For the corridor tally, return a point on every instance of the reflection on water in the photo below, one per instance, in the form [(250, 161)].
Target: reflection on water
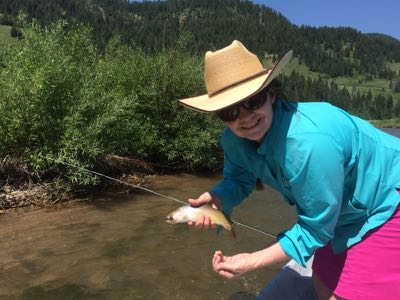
[(120, 247)]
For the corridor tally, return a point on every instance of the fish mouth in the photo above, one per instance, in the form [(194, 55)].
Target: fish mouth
[(170, 219)]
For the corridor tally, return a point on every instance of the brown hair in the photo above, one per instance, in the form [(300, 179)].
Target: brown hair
[(276, 87)]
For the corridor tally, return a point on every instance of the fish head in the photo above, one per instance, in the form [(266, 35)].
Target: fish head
[(177, 216)]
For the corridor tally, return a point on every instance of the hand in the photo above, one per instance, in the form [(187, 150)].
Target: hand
[(233, 266), (204, 222)]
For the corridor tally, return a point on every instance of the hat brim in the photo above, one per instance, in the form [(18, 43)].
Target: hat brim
[(237, 93)]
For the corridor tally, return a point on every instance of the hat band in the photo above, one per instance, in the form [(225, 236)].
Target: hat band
[(264, 71)]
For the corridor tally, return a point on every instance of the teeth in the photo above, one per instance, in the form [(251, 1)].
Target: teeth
[(250, 125)]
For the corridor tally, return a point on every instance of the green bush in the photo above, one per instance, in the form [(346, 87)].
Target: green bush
[(61, 99)]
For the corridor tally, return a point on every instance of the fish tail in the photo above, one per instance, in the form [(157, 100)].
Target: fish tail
[(219, 229), (233, 230), (231, 225)]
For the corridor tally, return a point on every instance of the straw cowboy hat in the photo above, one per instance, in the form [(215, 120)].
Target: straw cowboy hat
[(233, 74)]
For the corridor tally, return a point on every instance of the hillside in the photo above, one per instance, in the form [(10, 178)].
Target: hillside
[(211, 24), (367, 65)]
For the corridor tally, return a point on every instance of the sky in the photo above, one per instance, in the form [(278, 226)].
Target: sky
[(367, 16)]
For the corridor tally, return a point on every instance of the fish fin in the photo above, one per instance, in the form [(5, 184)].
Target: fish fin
[(232, 230), (219, 229)]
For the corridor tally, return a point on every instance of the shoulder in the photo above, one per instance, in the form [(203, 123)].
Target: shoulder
[(314, 131), (316, 122), (237, 149), (229, 139)]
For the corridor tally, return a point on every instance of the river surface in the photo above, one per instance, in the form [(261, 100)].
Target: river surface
[(120, 247)]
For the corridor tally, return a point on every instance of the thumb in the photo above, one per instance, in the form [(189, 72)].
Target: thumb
[(196, 202), (203, 199)]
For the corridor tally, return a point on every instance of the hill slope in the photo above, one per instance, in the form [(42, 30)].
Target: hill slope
[(366, 64)]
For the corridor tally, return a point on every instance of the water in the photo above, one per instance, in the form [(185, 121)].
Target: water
[(120, 247), (392, 131)]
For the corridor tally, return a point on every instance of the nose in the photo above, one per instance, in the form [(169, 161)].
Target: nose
[(244, 113)]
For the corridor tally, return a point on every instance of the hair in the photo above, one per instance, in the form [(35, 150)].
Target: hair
[(276, 87)]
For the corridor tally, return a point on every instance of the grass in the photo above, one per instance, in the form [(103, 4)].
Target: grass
[(395, 122), (300, 68), (395, 67), (377, 86), (5, 37)]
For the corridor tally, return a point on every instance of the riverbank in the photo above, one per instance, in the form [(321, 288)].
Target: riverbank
[(51, 194), (388, 123), (20, 187)]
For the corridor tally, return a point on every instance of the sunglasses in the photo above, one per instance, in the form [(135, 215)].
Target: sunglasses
[(231, 113)]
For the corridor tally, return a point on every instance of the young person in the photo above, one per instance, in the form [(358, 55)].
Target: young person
[(340, 172)]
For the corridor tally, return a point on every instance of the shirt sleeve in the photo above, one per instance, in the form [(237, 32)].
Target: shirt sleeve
[(237, 184), (315, 172)]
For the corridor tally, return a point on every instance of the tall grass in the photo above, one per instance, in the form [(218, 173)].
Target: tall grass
[(61, 99)]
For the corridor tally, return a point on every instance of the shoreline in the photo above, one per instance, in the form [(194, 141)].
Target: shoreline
[(44, 194), (20, 187)]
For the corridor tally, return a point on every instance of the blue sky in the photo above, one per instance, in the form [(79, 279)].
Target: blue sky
[(367, 16)]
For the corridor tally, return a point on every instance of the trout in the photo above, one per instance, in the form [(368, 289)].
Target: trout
[(187, 213)]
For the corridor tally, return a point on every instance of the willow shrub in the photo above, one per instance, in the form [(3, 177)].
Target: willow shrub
[(60, 99)]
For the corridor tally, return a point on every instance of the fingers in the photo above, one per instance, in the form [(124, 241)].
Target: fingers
[(203, 222), (217, 258), (196, 202), (218, 262), (205, 198)]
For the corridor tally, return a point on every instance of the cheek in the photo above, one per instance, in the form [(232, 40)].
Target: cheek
[(234, 126)]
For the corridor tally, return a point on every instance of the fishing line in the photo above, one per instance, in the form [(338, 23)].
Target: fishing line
[(152, 192)]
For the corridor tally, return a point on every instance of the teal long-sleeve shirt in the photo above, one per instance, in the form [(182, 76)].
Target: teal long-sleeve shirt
[(339, 171)]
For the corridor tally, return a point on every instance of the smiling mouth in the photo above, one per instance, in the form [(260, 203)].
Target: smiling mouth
[(250, 125)]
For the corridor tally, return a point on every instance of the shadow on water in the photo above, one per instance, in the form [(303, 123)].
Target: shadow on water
[(65, 292)]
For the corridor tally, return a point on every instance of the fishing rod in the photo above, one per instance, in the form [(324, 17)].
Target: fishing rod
[(152, 192)]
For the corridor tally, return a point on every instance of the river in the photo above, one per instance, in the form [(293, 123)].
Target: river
[(120, 247)]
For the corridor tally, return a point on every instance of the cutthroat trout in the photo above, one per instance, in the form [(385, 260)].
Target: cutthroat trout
[(187, 213)]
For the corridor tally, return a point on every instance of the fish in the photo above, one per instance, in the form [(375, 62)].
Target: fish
[(187, 213)]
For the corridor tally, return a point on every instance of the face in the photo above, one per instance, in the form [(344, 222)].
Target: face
[(254, 124)]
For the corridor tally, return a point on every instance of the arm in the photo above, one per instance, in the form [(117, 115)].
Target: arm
[(315, 169), (229, 192), (237, 184)]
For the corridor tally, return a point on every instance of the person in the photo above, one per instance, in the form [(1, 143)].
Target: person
[(341, 173)]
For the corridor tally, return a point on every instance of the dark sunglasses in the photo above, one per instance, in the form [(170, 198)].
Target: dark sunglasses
[(232, 113)]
